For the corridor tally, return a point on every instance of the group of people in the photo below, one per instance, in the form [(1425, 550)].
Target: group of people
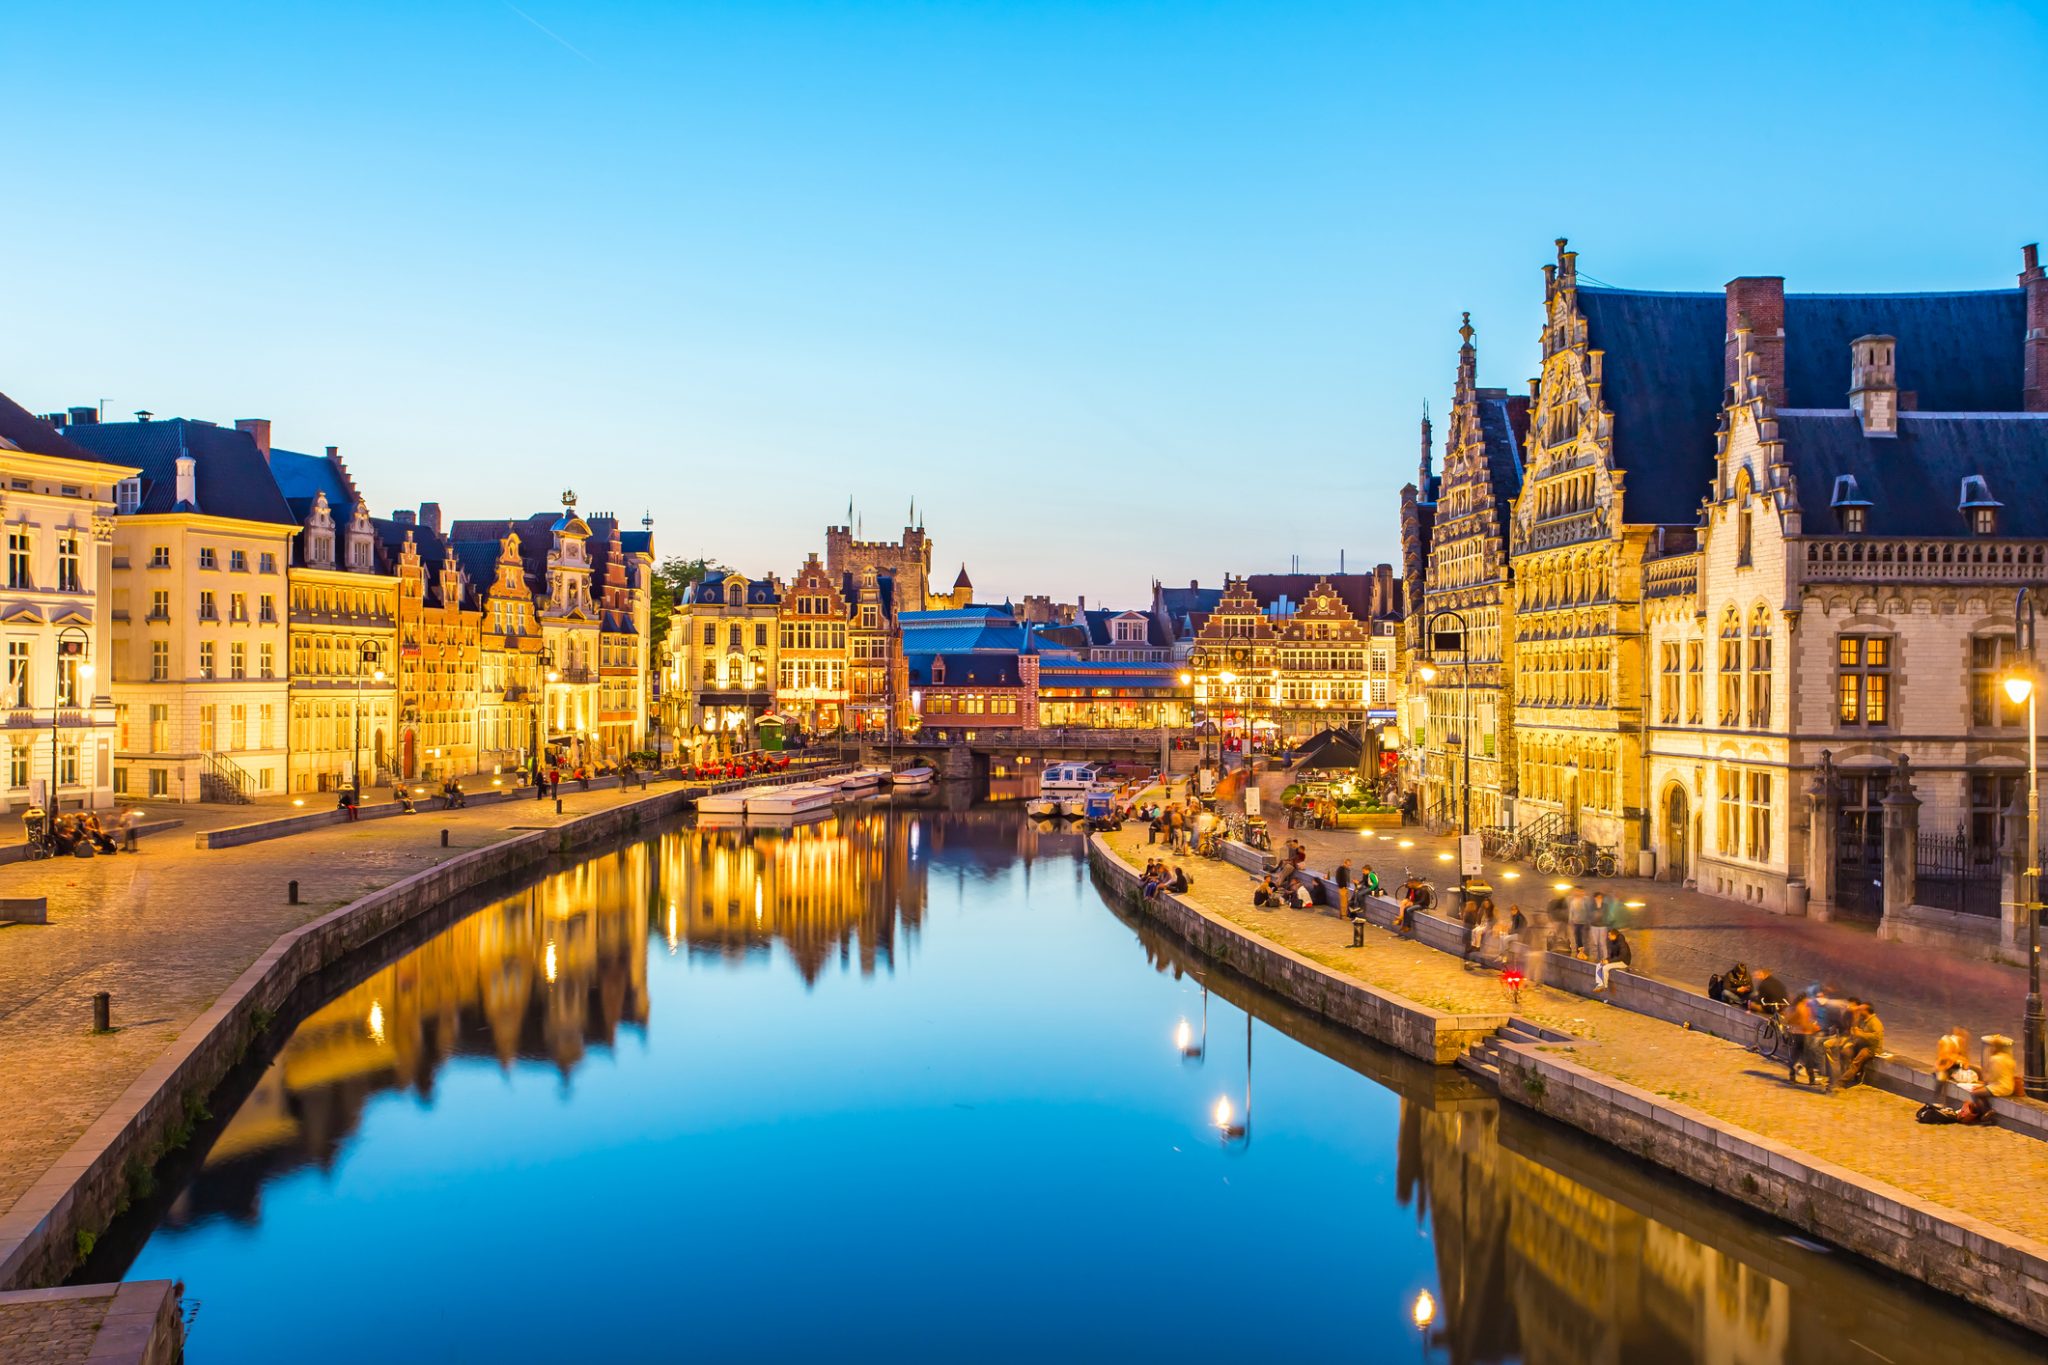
[(1833, 1036), (1174, 823), (1158, 877), (1286, 884), (69, 835)]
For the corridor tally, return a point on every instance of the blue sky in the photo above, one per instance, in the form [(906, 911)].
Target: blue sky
[(1116, 291)]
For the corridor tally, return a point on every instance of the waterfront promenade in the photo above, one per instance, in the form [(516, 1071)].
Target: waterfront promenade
[(167, 930), (1863, 1140)]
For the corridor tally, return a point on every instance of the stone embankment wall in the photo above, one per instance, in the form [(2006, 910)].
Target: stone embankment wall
[(1417, 1030), (1938, 1246), (49, 1230)]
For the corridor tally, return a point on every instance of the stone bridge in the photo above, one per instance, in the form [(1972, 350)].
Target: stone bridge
[(969, 760)]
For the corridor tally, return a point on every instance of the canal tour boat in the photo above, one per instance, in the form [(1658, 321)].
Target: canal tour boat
[(911, 779), (799, 799), (1064, 789)]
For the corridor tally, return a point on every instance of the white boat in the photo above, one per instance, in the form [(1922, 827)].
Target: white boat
[(912, 779), (1042, 807), (863, 780), (725, 803), (1066, 786), (796, 799)]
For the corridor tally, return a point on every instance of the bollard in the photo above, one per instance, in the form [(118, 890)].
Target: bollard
[(102, 1012), (291, 893), (444, 838), (558, 805), (1358, 931)]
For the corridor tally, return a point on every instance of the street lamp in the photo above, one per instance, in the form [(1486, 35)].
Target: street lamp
[(2020, 686), (364, 661), (72, 642), (1422, 1315)]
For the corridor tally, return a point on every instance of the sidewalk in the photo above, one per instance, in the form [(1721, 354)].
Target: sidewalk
[(166, 931), (1683, 937), (1974, 1171)]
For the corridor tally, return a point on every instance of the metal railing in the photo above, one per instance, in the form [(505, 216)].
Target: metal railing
[(223, 779)]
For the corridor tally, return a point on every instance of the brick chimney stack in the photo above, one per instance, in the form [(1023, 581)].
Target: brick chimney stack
[(1757, 302), (2034, 280), (259, 429), (430, 516)]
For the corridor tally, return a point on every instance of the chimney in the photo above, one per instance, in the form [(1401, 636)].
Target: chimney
[(1194, 583), (259, 429), (84, 417), (2035, 281), (1757, 302), (402, 517), (430, 516), (188, 481), (1874, 384), (333, 453)]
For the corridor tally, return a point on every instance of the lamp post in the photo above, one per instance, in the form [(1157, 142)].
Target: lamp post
[(364, 660), (72, 642), (2022, 685), (1465, 704), (548, 674)]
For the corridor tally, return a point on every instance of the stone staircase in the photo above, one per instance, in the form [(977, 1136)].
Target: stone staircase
[(1483, 1058)]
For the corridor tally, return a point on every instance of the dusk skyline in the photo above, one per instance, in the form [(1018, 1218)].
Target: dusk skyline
[(1060, 273)]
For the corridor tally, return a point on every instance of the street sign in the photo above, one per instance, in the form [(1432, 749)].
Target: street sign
[(1468, 855)]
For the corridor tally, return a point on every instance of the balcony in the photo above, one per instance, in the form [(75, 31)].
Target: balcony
[(1863, 559)]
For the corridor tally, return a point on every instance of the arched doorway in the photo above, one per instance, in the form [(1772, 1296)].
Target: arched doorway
[(1677, 832)]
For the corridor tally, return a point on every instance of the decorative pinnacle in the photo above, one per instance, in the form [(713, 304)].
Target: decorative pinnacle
[(1465, 329)]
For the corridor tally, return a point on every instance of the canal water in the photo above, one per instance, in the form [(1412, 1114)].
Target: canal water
[(901, 1085)]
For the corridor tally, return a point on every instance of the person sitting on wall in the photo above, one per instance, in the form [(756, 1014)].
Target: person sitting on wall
[(1952, 1057), (1732, 987), (1181, 881), (1265, 895)]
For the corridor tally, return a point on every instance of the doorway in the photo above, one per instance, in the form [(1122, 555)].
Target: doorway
[(1677, 833)]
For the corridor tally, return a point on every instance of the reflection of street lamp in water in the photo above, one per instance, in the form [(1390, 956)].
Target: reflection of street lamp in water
[(1423, 1314), (1223, 1116), (1194, 1048)]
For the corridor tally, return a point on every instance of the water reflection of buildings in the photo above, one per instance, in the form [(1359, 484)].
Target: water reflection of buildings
[(846, 885), (537, 977), (1550, 1255)]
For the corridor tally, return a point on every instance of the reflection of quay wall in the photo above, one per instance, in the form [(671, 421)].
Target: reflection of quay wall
[(1990, 1267), (38, 1240), (1417, 1030), (817, 887), (538, 976), (1588, 1277)]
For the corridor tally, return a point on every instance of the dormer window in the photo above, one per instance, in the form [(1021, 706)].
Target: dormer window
[(1852, 509), (1979, 506), (938, 671)]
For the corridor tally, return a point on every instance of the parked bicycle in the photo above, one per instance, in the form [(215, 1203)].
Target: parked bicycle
[(1772, 1042)]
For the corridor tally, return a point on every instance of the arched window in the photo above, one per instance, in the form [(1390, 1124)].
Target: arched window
[(1731, 669), (1760, 667)]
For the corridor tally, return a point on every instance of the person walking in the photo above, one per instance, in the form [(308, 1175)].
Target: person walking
[(1578, 909), (540, 784), (131, 829)]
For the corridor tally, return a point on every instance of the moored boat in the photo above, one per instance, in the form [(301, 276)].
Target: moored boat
[(797, 799), (912, 778)]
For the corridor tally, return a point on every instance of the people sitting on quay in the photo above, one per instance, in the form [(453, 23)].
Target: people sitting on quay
[(1181, 881), (1860, 1042), (1732, 987), (1952, 1061), (452, 797), (1614, 955), (2001, 1075), (93, 833)]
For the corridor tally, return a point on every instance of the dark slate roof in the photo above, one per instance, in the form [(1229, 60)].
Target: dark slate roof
[(1957, 352), (1182, 603), (637, 542), (24, 430), (1060, 637), (760, 591), (966, 670), (1503, 451), (232, 477), (1664, 366), (1355, 590), (301, 477), (1661, 377), (885, 589), (1098, 628), (479, 560), (1913, 481)]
